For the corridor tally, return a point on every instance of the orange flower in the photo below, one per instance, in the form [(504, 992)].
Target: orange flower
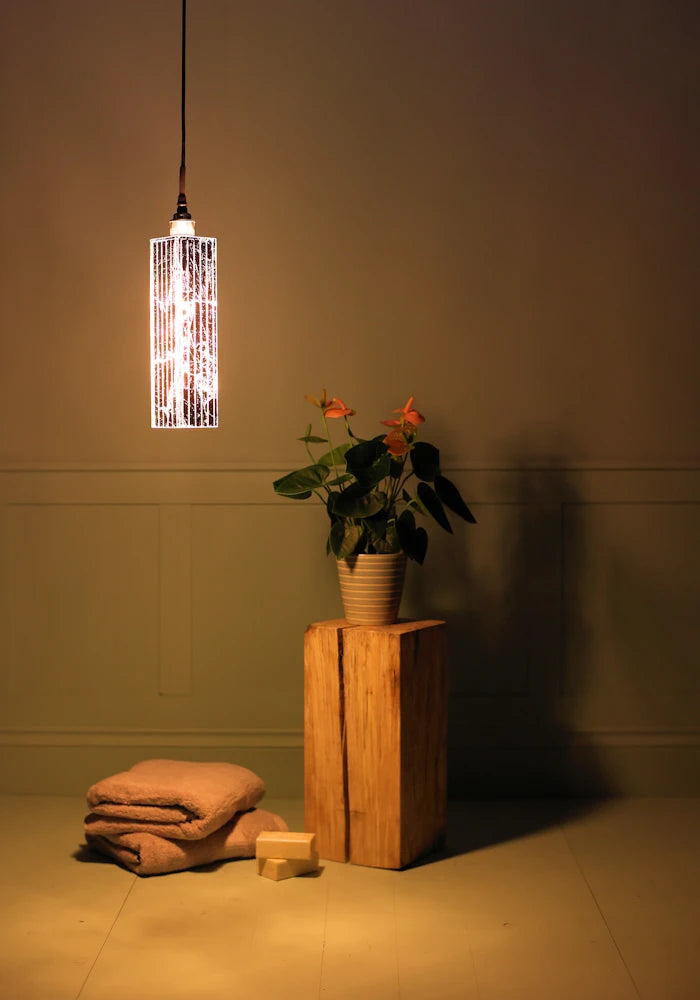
[(337, 408), (408, 416), (397, 442)]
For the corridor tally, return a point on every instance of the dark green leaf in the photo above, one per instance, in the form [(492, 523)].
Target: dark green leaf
[(451, 497), (376, 473), (390, 543), (405, 526), (413, 541), (361, 457), (344, 538), (396, 468), (425, 459), (420, 545), (377, 526), (357, 503), (312, 439), (429, 499), (301, 481)]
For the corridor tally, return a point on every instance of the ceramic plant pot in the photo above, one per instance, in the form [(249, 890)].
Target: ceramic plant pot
[(371, 587)]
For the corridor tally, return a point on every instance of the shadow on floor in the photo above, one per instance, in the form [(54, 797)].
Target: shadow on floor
[(474, 825)]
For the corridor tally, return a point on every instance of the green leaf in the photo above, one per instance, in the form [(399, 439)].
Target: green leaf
[(414, 503), (429, 499), (334, 457), (413, 540), (356, 502), (301, 481), (312, 439), (451, 497), (344, 538), (425, 459)]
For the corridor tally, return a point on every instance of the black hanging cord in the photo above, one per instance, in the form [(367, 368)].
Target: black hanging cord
[(181, 211)]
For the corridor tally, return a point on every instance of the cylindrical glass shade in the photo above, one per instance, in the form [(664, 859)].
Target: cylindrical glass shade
[(184, 364)]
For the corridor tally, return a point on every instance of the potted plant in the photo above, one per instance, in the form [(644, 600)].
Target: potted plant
[(372, 490)]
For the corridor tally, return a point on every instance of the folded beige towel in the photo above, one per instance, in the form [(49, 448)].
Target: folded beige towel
[(147, 854), (172, 798)]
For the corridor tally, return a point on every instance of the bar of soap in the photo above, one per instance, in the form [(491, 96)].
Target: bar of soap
[(283, 844), (279, 868)]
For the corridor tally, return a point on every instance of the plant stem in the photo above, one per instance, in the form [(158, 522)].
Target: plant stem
[(330, 443), (308, 452)]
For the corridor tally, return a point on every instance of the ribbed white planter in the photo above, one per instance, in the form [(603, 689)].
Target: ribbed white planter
[(371, 587)]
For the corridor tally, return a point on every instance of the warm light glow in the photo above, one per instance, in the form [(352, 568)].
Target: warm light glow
[(184, 367)]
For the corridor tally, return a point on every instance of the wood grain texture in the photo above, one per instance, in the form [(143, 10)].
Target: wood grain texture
[(325, 784), (424, 686), (396, 720)]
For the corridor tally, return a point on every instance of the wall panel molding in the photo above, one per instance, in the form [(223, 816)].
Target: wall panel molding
[(294, 738), (454, 464)]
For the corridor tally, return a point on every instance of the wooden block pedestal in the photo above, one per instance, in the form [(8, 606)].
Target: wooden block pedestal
[(375, 727)]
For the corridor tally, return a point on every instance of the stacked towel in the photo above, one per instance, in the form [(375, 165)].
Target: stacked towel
[(166, 815)]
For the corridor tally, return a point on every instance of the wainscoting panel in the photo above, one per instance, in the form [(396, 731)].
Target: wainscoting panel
[(161, 613), (631, 615), (82, 590)]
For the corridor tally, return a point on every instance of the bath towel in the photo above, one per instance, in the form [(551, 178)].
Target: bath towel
[(172, 798), (147, 854)]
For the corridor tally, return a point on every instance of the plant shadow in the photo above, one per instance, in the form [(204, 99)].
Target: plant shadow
[(517, 648)]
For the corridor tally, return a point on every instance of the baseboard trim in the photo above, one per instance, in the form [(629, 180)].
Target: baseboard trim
[(61, 761), (599, 738), (261, 739)]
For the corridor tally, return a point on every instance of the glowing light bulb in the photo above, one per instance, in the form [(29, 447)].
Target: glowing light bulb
[(184, 350)]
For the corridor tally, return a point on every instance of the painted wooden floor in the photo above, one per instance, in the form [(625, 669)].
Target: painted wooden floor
[(530, 900)]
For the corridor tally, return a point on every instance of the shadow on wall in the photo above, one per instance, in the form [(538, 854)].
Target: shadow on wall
[(509, 617)]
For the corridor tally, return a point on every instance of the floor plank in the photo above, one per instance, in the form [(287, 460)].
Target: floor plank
[(200, 933), (528, 901), (55, 913), (525, 918), (641, 859)]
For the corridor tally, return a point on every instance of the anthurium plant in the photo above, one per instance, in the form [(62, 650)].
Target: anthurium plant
[(373, 488)]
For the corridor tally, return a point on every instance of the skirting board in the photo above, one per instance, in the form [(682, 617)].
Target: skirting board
[(67, 762)]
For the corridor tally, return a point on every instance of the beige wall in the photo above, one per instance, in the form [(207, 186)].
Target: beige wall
[(492, 206)]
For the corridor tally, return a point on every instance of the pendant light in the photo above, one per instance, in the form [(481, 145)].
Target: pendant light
[(184, 362)]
